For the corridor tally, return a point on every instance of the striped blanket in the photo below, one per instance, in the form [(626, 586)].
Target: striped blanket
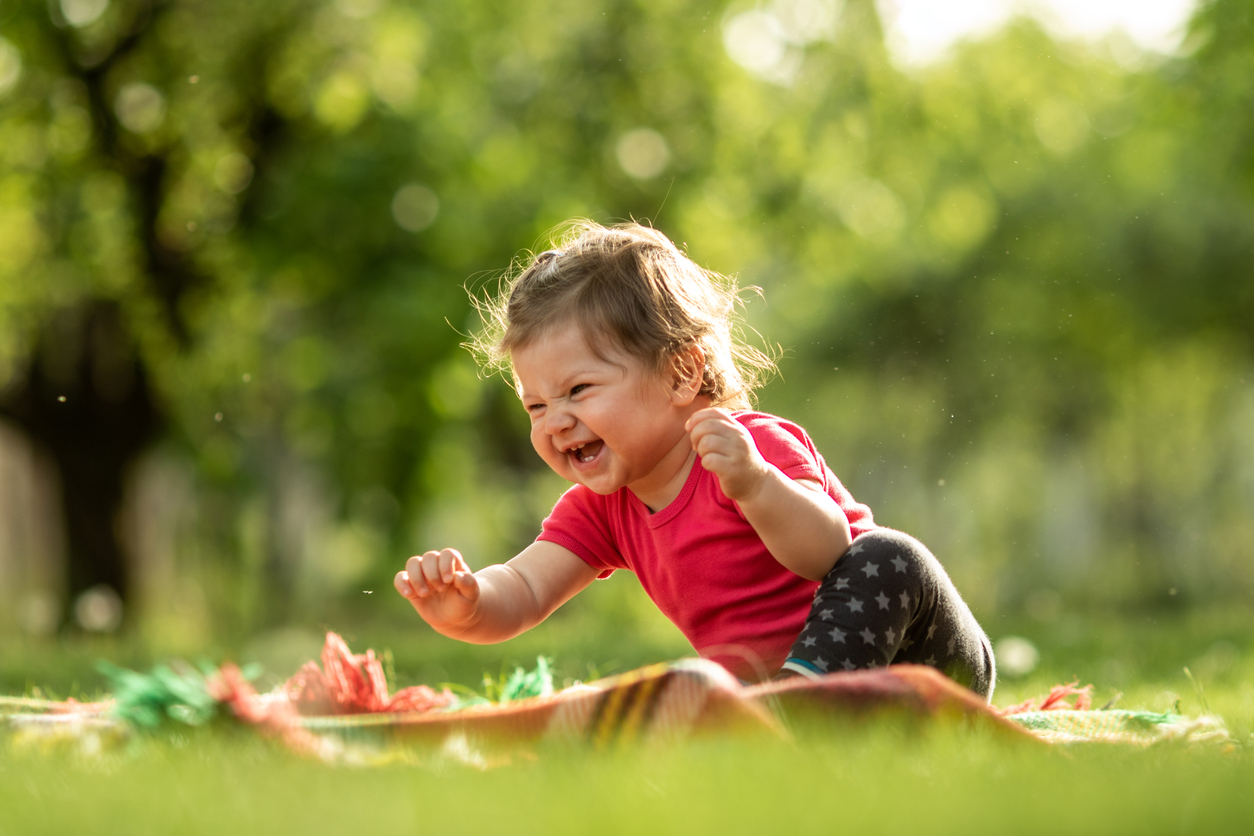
[(344, 712)]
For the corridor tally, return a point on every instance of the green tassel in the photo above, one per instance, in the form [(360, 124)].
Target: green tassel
[(522, 684), (176, 692)]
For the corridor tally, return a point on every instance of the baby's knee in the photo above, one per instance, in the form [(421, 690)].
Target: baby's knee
[(888, 551)]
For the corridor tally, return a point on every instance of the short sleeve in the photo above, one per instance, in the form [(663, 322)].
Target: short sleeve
[(785, 445), (788, 447), (579, 522)]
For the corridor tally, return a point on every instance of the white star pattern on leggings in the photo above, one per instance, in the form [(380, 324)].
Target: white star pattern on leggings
[(869, 629)]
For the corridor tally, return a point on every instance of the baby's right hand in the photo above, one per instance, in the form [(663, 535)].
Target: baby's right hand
[(441, 587)]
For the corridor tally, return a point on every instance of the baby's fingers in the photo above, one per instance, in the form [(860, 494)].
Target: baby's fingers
[(412, 576), (401, 582), (712, 414), (449, 563), (713, 442), (467, 584), (432, 570), (421, 573)]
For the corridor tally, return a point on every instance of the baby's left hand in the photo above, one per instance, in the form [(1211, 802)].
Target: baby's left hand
[(727, 450)]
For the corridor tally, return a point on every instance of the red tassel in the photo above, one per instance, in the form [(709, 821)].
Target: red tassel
[(1056, 700), (354, 684)]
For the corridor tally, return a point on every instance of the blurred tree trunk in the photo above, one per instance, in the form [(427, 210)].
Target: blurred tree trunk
[(84, 397), (84, 394)]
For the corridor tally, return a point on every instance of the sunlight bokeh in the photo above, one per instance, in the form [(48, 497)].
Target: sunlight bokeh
[(921, 30)]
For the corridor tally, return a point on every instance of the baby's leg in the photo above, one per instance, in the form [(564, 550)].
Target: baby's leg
[(888, 600)]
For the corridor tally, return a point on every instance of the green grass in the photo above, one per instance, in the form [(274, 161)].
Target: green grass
[(876, 778), (880, 776)]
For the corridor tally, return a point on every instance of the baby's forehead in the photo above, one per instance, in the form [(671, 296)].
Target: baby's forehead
[(568, 351), (576, 338)]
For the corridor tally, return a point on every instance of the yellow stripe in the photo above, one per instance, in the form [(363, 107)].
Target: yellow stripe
[(641, 698), (607, 718), (611, 711)]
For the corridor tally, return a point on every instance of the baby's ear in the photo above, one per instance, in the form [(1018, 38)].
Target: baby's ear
[(687, 373)]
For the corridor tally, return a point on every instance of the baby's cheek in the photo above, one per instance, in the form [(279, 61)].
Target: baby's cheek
[(543, 445)]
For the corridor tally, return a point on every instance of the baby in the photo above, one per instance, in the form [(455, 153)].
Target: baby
[(624, 355)]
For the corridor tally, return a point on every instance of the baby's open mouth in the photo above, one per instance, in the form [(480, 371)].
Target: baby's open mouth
[(588, 451)]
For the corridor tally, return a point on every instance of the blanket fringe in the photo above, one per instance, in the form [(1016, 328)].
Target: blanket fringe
[(1056, 700), (354, 683)]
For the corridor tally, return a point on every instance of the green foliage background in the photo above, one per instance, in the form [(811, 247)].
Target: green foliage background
[(1012, 288)]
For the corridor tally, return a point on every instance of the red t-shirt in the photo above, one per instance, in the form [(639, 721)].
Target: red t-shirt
[(700, 560)]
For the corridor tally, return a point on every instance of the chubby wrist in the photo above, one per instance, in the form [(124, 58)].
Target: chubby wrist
[(470, 622), (757, 482), (461, 630)]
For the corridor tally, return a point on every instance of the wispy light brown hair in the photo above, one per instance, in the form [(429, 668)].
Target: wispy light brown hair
[(626, 287)]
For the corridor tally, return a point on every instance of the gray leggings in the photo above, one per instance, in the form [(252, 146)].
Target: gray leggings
[(886, 601)]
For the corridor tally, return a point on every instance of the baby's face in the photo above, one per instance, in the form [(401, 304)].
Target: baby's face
[(603, 422)]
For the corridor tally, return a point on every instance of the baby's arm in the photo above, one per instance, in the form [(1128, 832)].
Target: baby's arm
[(495, 603), (801, 526)]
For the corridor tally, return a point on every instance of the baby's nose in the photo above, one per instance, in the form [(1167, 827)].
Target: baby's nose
[(558, 420)]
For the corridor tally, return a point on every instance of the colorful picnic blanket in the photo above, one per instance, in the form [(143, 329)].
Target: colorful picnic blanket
[(343, 711)]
